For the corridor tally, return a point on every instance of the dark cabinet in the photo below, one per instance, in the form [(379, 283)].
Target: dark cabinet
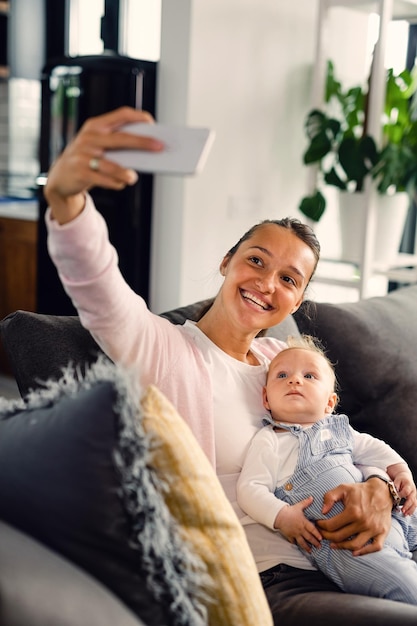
[(74, 89)]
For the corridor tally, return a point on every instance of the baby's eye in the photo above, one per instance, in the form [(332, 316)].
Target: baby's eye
[(281, 375), (309, 375)]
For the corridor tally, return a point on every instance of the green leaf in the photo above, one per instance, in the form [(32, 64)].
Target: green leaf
[(357, 157), (319, 146), (313, 206), (332, 178), (322, 132)]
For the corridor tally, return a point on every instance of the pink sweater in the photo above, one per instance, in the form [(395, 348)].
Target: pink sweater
[(162, 353)]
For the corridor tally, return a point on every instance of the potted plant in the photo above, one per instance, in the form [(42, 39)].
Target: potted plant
[(346, 155)]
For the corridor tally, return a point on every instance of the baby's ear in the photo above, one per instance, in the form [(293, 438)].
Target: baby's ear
[(332, 402), (265, 398)]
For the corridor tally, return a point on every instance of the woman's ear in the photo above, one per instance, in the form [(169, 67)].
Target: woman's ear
[(297, 306), (223, 265)]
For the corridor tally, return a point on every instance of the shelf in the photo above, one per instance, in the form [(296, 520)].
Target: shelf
[(402, 9), (402, 270), (333, 271)]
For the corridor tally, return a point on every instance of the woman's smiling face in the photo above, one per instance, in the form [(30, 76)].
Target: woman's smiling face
[(266, 277)]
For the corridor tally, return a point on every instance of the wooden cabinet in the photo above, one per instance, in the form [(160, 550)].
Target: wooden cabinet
[(18, 252)]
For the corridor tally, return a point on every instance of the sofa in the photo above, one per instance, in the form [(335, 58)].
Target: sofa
[(82, 574)]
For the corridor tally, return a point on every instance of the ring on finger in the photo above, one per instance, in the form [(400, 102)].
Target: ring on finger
[(94, 164)]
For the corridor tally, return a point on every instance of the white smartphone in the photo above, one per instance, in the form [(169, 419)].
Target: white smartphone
[(185, 153)]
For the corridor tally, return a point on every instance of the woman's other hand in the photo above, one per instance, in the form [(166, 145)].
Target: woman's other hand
[(81, 165), (365, 521)]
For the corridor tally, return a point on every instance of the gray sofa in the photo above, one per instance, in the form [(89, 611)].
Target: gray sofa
[(373, 344)]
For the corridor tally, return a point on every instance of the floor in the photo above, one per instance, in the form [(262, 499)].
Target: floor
[(8, 387)]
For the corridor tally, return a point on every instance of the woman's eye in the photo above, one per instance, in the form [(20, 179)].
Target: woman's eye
[(256, 260), (289, 280)]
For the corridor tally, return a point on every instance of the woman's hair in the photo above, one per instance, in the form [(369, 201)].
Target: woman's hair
[(302, 231)]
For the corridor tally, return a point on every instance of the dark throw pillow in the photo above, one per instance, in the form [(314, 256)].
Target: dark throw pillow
[(74, 474)]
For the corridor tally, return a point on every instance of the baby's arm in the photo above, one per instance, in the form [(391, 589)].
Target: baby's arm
[(293, 524), (255, 494), (403, 480)]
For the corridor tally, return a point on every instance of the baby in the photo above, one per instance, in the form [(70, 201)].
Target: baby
[(304, 451)]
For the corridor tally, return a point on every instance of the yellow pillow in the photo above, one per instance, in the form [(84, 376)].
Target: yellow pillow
[(206, 519)]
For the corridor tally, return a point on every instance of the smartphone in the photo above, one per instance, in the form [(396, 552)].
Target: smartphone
[(185, 153)]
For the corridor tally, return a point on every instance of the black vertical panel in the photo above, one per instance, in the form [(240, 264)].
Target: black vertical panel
[(74, 89), (408, 241), (4, 57), (55, 28), (110, 25)]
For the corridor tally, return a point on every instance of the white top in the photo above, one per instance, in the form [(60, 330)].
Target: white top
[(235, 424)]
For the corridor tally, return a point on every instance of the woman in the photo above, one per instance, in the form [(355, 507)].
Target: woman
[(212, 371)]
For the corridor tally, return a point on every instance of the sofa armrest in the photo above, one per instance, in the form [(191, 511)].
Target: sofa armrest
[(40, 588)]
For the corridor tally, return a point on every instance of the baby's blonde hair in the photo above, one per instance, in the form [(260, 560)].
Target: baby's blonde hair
[(308, 342)]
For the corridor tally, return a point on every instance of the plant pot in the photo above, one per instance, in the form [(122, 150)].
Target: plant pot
[(390, 221)]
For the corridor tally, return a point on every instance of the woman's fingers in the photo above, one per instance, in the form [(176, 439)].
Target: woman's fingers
[(102, 132), (109, 122), (105, 173), (86, 162)]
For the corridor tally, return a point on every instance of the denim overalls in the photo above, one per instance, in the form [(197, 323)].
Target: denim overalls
[(324, 462)]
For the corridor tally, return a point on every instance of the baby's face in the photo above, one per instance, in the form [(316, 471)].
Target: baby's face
[(300, 387)]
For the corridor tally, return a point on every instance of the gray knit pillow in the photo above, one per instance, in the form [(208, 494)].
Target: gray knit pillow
[(75, 475)]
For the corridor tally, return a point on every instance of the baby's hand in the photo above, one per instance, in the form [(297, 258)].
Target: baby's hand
[(295, 527), (407, 490)]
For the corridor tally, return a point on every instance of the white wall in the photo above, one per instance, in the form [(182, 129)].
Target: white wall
[(243, 68)]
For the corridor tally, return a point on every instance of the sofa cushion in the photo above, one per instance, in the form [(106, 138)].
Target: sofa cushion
[(40, 588), (117, 483), (373, 346), (39, 346)]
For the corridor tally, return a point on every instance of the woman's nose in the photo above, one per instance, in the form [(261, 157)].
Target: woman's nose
[(267, 282)]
